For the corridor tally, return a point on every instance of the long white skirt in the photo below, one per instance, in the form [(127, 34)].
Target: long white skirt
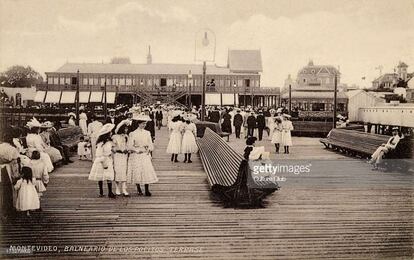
[(276, 137), (83, 126), (54, 154), (27, 198), (120, 166), (189, 144), (174, 145), (98, 173), (286, 139), (140, 169)]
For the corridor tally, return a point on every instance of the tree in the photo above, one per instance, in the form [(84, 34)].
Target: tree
[(20, 76)]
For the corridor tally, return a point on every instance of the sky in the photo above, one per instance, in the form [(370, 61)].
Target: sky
[(355, 36)]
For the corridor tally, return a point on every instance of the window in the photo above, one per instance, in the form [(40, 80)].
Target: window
[(85, 81), (122, 80), (163, 82), (56, 80), (318, 107), (74, 80), (247, 82), (304, 80), (67, 80), (128, 81)]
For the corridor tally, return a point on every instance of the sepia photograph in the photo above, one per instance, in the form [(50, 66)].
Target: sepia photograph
[(207, 129)]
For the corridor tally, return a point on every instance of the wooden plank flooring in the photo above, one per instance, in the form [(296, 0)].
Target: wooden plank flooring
[(345, 212)]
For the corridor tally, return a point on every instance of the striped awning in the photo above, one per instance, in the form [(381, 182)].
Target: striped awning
[(40, 96), (53, 97), (110, 97), (68, 97), (96, 97), (84, 97), (212, 99)]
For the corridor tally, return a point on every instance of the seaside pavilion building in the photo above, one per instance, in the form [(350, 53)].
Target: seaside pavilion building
[(238, 83)]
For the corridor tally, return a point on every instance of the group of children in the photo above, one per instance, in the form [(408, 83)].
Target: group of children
[(183, 134), (123, 155), (280, 132)]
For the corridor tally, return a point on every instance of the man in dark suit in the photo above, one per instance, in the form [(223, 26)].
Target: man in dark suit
[(158, 118), (237, 122), (214, 116), (261, 124), (251, 124)]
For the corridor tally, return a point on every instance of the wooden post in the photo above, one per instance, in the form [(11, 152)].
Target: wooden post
[(335, 97), (77, 98), (203, 95)]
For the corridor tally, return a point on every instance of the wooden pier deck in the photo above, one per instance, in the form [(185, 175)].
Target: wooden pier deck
[(346, 212)]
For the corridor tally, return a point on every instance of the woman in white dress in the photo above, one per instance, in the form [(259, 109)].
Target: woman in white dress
[(277, 133), (140, 169), (189, 145), (71, 120), (174, 145), (34, 142), (287, 127), (83, 118), (93, 129), (120, 149), (102, 167), (54, 153)]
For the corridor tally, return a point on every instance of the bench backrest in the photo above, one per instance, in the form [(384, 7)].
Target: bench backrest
[(220, 161), (70, 135), (357, 140), (202, 125)]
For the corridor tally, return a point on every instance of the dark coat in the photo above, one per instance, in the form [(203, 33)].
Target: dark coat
[(214, 116), (261, 121), (238, 120), (251, 121), (226, 125), (151, 128), (158, 115)]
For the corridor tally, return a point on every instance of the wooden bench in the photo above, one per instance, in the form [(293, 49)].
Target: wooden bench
[(228, 173), (202, 125), (353, 142), (362, 144), (70, 136), (311, 128)]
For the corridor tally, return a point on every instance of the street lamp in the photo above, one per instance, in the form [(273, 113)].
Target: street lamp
[(205, 50), (234, 89), (335, 100), (77, 98), (190, 78)]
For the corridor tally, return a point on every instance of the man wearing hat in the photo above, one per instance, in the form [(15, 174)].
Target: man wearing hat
[(251, 123), (238, 122), (158, 117), (261, 124)]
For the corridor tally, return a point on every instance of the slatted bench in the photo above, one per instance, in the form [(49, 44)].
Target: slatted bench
[(362, 144), (70, 136), (202, 125), (227, 174)]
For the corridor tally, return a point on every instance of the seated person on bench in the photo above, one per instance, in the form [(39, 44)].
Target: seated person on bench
[(377, 156)]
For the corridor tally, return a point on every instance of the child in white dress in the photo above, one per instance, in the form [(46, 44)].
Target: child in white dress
[(27, 198), (287, 127), (140, 168), (39, 173), (174, 145), (277, 133), (189, 144), (102, 167), (120, 149), (84, 150)]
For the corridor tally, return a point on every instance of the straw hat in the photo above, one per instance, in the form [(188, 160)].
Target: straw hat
[(141, 117), (122, 123), (47, 124), (106, 129), (33, 123), (286, 116), (71, 114)]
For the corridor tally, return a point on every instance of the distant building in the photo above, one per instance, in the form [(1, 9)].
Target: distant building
[(313, 89), (152, 82), (390, 80)]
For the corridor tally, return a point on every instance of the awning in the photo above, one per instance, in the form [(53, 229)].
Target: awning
[(40, 96), (52, 97), (96, 97), (212, 99), (68, 97), (84, 96), (110, 97), (228, 99)]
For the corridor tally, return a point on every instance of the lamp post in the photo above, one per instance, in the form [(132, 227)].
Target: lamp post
[(205, 50), (234, 93), (190, 79), (335, 100), (105, 102), (290, 98), (77, 98)]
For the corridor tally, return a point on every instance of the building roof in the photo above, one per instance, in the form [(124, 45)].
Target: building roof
[(245, 61), (315, 95), (353, 93), (318, 69), (402, 64), (155, 68), (387, 77)]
